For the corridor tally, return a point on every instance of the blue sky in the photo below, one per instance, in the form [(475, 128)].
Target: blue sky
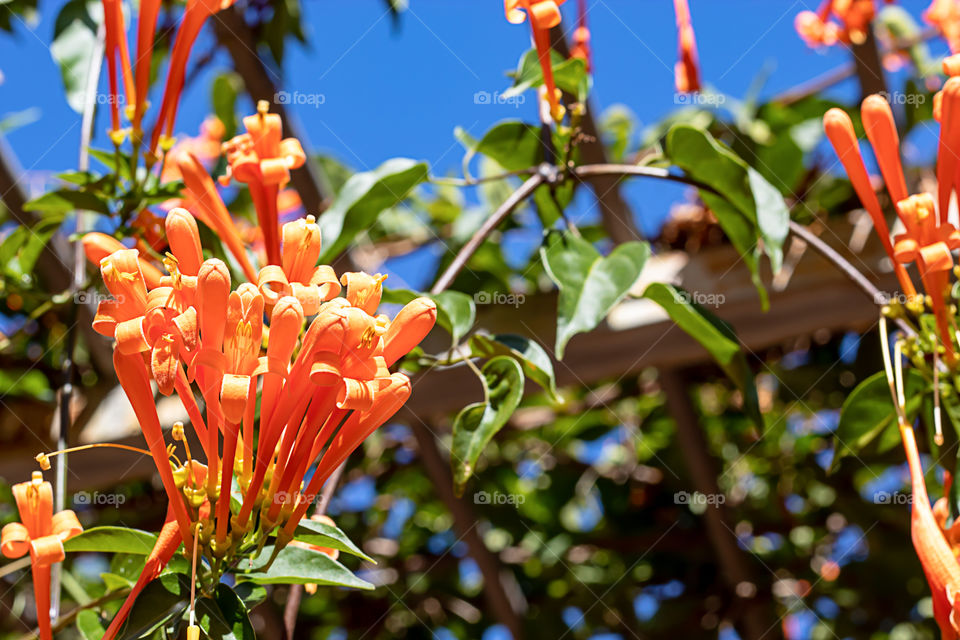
[(401, 91)]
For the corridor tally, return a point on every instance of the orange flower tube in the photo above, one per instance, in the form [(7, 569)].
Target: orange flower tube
[(882, 133), (543, 16), (146, 30), (948, 162), (939, 563), (40, 533), (687, 70), (98, 246), (581, 37), (115, 47), (132, 373), (202, 190), (839, 129), (161, 554), (357, 428)]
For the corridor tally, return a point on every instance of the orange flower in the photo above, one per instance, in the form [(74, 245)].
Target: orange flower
[(116, 47), (854, 17), (262, 160), (581, 37), (161, 554), (937, 558), (687, 70), (839, 129), (205, 147), (945, 16), (98, 246), (146, 30), (948, 180), (882, 133), (929, 245), (299, 276), (210, 209), (194, 16), (543, 15), (40, 533)]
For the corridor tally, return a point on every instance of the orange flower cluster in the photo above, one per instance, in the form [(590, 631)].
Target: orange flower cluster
[(323, 389), (136, 77), (846, 21), (929, 238), (40, 533), (945, 16)]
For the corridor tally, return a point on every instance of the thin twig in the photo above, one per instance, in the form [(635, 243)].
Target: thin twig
[(488, 226)]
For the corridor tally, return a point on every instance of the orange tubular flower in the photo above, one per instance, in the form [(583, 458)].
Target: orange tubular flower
[(299, 276), (839, 129), (937, 558), (854, 16), (945, 16), (262, 160), (98, 246), (40, 533), (929, 245), (882, 133), (146, 30), (211, 210), (116, 48), (687, 69), (163, 550), (948, 180), (581, 37), (194, 16), (543, 15)]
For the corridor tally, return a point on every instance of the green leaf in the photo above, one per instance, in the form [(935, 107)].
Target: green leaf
[(759, 206), (74, 42), (63, 201), (295, 565), (325, 535), (224, 617), (89, 626), (160, 601), (590, 284), (514, 145), (569, 74), (363, 198), (111, 540), (715, 335), (533, 359), (868, 412), (456, 311), (251, 593), (477, 423), (114, 582)]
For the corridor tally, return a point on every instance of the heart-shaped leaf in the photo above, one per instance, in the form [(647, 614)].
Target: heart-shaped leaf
[(868, 414), (112, 540), (296, 565), (715, 335), (363, 197), (589, 283), (533, 359), (748, 207), (477, 423)]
